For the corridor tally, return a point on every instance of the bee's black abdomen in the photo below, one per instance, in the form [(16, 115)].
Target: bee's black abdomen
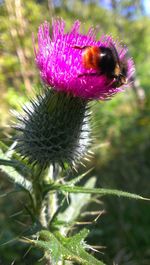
[(107, 61)]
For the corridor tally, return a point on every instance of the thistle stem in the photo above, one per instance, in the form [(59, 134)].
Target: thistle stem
[(39, 201), (51, 204), (52, 198), (44, 207)]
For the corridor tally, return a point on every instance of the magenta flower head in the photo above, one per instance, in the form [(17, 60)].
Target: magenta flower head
[(78, 64)]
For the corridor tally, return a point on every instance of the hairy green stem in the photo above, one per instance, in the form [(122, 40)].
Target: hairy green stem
[(51, 205), (52, 197), (39, 202)]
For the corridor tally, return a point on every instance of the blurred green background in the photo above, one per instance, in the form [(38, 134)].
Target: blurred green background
[(122, 146)]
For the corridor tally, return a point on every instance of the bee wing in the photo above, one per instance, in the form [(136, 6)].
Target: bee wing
[(114, 50)]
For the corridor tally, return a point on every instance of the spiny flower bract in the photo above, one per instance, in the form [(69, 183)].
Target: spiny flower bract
[(54, 129)]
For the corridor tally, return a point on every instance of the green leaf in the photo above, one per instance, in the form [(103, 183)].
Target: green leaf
[(8, 168), (3, 146), (77, 202), (78, 178), (12, 163), (61, 248), (103, 192)]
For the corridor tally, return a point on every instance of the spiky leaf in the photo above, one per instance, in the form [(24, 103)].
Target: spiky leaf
[(8, 168), (62, 248), (103, 192)]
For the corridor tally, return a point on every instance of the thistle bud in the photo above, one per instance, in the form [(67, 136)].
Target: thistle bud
[(54, 129)]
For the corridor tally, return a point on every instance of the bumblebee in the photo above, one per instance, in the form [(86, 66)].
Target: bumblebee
[(105, 60)]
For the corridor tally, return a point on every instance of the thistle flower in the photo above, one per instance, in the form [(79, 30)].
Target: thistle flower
[(55, 126), (60, 62)]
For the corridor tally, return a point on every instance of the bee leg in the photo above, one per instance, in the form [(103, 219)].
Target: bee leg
[(80, 47), (89, 74)]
